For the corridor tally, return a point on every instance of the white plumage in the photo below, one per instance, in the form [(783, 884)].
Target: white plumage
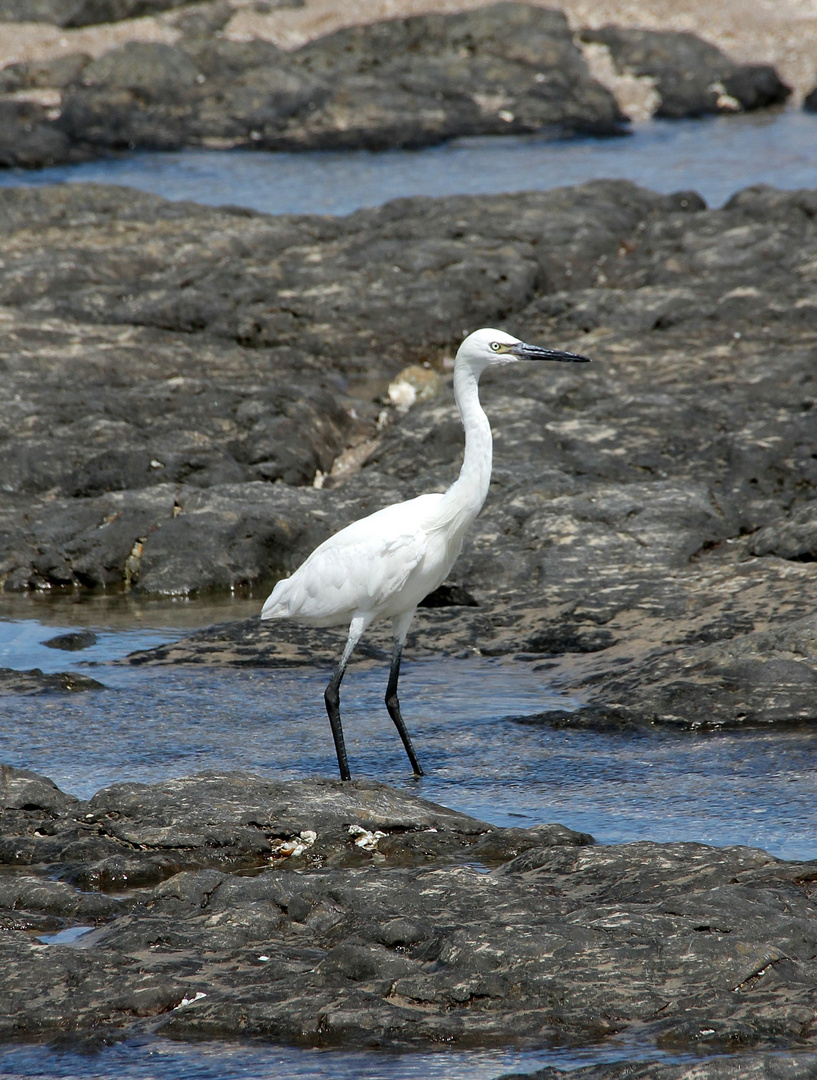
[(363, 568), (383, 565)]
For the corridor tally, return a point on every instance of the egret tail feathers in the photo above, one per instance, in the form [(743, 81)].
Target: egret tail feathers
[(276, 606)]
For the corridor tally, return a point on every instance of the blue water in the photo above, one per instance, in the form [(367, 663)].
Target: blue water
[(161, 1059), (152, 723), (715, 157)]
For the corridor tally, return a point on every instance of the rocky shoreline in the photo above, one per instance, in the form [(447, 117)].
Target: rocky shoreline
[(503, 69), (325, 914), (195, 397)]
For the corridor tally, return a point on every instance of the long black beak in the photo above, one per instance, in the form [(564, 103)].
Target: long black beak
[(536, 352)]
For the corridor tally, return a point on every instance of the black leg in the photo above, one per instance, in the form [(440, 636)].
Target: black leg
[(332, 698), (393, 705), (332, 694)]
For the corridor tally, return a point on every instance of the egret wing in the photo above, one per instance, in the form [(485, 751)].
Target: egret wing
[(357, 570)]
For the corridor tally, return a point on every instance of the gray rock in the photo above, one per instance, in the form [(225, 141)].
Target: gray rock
[(74, 641), (372, 922), (153, 71), (692, 76), (24, 790), (404, 82), (57, 72), (504, 69), (36, 681), (70, 13), (28, 140), (135, 834), (794, 538)]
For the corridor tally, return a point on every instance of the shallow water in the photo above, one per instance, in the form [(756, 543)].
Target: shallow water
[(752, 787), (163, 1059), (756, 788), (715, 157)]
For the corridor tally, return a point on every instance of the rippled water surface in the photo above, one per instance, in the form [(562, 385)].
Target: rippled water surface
[(165, 1060), (151, 723), (715, 157)]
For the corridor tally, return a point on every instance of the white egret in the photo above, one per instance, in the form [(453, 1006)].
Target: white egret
[(383, 565)]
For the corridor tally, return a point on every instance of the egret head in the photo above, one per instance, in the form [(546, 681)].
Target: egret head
[(487, 347)]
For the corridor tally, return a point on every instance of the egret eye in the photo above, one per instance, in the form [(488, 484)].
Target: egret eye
[(496, 346)]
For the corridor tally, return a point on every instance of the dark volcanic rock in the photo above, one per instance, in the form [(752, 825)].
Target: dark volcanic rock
[(692, 77), (24, 790), (509, 68), (36, 681), (136, 834), (369, 923), (70, 13), (72, 642)]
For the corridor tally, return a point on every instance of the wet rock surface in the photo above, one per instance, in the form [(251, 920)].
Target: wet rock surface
[(35, 681), (376, 918), (74, 641)]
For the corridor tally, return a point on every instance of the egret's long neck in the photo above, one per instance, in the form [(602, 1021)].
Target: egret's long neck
[(463, 500)]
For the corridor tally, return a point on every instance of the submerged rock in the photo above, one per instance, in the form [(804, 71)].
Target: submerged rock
[(36, 681), (378, 919), (74, 641)]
